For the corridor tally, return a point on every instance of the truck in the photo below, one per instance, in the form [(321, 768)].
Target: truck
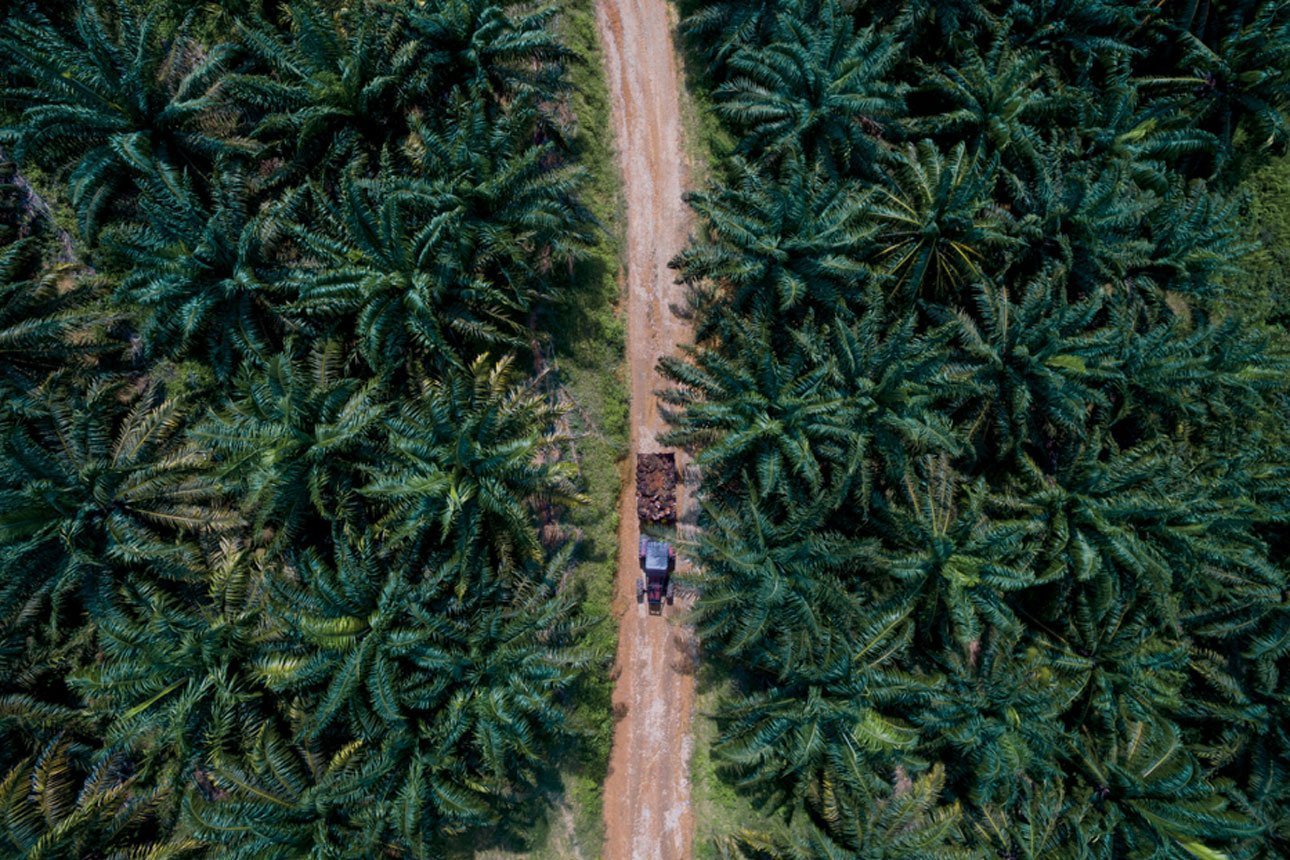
[(657, 559), (656, 511)]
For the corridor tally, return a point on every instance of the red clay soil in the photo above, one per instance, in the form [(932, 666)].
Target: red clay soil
[(647, 793)]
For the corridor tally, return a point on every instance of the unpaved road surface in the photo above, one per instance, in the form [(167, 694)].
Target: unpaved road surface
[(647, 793)]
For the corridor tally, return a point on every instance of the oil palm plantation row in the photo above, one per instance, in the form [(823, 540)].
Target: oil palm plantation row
[(994, 481), (271, 576)]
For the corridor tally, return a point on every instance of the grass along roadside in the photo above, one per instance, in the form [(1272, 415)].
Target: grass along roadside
[(707, 141), (588, 341), (719, 810)]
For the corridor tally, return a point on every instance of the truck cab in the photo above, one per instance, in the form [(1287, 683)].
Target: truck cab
[(657, 559)]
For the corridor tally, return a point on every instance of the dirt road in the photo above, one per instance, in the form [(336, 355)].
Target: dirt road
[(647, 794)]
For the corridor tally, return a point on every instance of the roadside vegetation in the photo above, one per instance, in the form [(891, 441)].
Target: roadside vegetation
[(990, 401), (290, 498)]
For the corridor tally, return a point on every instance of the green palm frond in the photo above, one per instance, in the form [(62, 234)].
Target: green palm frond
[(116, 99)]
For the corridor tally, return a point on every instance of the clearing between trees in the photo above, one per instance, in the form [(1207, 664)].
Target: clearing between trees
[(647, 793)]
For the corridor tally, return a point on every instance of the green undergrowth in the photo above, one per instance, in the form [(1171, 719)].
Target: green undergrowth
[(588, 339), (719, 810), (1266, 292), (708, 143)]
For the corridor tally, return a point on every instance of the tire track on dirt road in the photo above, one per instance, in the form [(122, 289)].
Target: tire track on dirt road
[(647, 792)]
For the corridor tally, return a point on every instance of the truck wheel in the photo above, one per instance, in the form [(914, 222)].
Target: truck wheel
[(640, 589), (671, 591)]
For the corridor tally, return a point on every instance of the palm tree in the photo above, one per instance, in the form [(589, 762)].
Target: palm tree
[(1196, 245), (175, 680), (46, 323), (1150, 796), (1047, 822), (774, 590), (483, 46), (784, 241), (1148, 139), (939, 20), (789, 738), (1136, 525), (1239, 80), (100, 480), (456, 683), (997, 720), (1086, 217), (65, 803), (994, 100), (955, 551), (724, 27), (1037, 371), (471, 454), (116, 100), (293, 440), (902, 368), (819, 89), (328, 92), (285, 801), (792, 425), (502, 210), (191, 270), (935, 227), (909, 822), (1078, 34), (442, 267)]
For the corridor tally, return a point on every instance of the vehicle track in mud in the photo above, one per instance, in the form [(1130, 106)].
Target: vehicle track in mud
[(647, 792)]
